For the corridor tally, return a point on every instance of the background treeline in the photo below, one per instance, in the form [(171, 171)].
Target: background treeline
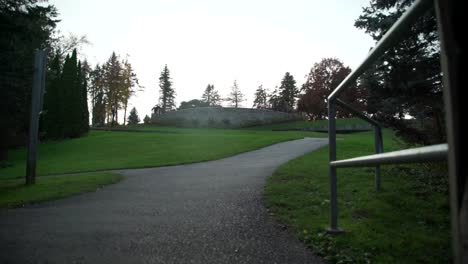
[(111, 86)]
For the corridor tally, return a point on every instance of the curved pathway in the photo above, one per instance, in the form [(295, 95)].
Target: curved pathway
[(210, 212)]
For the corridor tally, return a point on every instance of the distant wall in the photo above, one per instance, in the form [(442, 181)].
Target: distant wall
[(223, 117)]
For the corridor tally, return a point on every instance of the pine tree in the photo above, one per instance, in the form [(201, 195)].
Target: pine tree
[(113, 88), (288, 93), (146, 120), (51, 122), (83, 84), (236, 96), (211, 96), (133, 118), (261, 98), (166, 93), (97, 96)]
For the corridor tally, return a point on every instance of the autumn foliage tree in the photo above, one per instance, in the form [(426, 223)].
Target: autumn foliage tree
[(323, 78)]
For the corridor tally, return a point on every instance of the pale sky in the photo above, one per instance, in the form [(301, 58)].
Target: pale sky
[(216, 42)]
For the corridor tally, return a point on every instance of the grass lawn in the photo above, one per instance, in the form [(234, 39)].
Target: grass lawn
[(311, 124), (406, 222), (103, 150), (13, 192)]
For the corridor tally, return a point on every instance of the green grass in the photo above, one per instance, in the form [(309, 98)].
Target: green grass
[(406, 222), (13, 192), (103, 150), (310, 124)]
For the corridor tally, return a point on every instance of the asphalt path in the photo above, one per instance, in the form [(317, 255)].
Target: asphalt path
[(209, 212)]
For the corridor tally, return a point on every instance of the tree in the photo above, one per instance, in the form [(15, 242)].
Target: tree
[(146, 120), (323, 78), (406, 80), (83, 77), (274, 100), (130, 80), (51, 117), (193, 104), (287, 93), (133, 118), (113, 88), (25, 25), (166, 92), (261, 98), (71, 97), (97, 92), (211, 96), (236, 96)]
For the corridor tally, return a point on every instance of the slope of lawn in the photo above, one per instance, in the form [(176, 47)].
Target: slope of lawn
[(102, 150), (406, 222), (13, 192), (310, 124)]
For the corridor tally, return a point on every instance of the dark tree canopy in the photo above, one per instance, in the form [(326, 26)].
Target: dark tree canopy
[(406, 81), (25, 25), (323, 78)]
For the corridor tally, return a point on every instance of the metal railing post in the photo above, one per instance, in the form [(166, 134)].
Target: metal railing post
[(451, 53), (36, 106), (332, 156), (378, 149)]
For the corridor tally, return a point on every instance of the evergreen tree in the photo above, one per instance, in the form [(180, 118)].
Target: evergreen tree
[(407, 79), (83, 84), (274, 101), (261, 98), (236, 96), (166, 92), (113, 88), (211, 96), (146, 120), (133, 118), (97, 96), (288, 93), (51, 122)]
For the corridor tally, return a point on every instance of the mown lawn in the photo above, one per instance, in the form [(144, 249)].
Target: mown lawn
[(310, 124), (406, 222), (13, 192), (104, 150)]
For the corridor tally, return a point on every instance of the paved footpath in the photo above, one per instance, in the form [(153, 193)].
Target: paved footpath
[(210, 212)]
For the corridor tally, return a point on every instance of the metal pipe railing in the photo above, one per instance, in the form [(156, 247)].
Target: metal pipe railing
[(451, 54), (401, 26), (422, 154)]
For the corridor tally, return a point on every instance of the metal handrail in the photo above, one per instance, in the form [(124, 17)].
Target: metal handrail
[(422, 154)]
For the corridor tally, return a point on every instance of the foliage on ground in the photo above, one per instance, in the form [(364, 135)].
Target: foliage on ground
[(14, 193), (406, 222)]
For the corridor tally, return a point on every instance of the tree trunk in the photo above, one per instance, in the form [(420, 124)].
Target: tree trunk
[(125, 113)]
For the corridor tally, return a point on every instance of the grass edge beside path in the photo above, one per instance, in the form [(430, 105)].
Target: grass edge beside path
[(406, 222), (14, 193)]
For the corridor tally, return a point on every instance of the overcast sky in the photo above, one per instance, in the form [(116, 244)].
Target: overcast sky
[(216, 42)]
